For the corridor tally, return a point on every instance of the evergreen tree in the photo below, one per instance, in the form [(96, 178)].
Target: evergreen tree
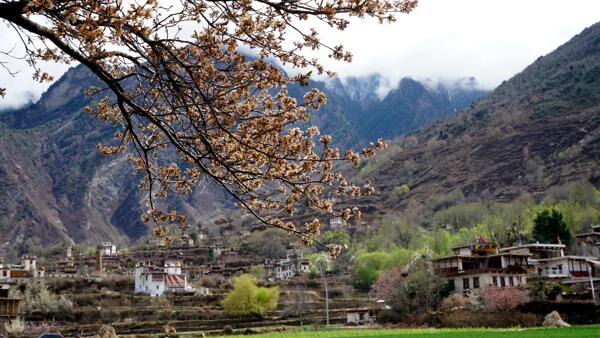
[(549, 227)]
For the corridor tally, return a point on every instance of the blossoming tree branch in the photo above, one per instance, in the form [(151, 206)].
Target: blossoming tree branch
[(228, 118)]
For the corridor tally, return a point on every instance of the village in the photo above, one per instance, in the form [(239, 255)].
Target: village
[(189, 274), (194, 272)]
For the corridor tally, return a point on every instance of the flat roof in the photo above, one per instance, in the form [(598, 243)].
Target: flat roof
[(587, 234), (462, 246), (484, 257), (534, 245), (581, 258)]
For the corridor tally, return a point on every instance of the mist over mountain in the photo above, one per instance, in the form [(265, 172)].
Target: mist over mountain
[(537, 130)]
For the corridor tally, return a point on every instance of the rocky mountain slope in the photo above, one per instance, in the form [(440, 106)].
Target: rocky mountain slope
[(56, 186), (539, 129)]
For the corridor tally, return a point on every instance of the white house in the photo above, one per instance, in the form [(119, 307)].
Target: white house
[(155, 281), (107, 249), (149, 280), (480, 264), (549, 261), (336, 223), (173, 266), (359, 316), (285, 268)]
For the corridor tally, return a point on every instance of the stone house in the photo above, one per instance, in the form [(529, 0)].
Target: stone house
[(359, 316), (549, 261), (479, 265), (26, 270), (156, 281)]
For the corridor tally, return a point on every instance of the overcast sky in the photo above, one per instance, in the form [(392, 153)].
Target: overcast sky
[(491, 40)]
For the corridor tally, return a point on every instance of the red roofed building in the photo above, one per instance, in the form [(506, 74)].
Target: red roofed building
[(155, 281)]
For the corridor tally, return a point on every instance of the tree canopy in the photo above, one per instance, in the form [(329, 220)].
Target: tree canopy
[(175, 81), (549, 227), (246, 298)]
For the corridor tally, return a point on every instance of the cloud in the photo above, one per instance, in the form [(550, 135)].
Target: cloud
[(490, 40)]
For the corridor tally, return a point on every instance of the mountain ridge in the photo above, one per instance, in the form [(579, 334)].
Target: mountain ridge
[(60, 188)]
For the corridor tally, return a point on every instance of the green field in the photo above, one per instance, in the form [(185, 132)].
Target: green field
[(576, 331)]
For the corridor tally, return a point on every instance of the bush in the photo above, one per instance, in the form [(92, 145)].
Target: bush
[(107, 331), (454, 301), (414, 291), (502, 299), (246, 298), (227, 330), (37, 299), (14, 328)]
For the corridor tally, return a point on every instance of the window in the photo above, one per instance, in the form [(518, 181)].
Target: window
[(511, 280), (502, 282), (475, 282), (495, 280), (451, 286), (465, 283)]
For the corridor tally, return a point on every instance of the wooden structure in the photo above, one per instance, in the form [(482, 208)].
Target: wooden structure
[(9, 307)]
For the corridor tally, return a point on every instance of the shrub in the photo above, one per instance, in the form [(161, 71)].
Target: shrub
[(14, 328), (454, 301), (107, 331), (387, 283), (246, 298), (37, 299), (502, 299), (415, 291), (228, 330)]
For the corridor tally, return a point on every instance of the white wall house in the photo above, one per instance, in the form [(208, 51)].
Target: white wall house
[(549, 261), (149, 280), (359, 317), (480, 265), (107, 249), (336, 223), (173, 266), (156, 281), (285, 268)]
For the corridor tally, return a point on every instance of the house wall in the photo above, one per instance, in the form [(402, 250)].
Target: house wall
[(562, 268), (358, 317), (465, 251), (486, 280), (173, 267), (145, 283)]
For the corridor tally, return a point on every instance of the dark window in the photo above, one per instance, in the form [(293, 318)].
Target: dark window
[(465, 283), (476, 283), (451, 286), (502, 282), (511, 280), (495, 280)]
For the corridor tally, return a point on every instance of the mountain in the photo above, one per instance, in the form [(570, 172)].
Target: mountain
[(539, 129), (404, 108), (56, 186)]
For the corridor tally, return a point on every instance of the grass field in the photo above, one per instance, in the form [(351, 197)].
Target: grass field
[(576, 331)]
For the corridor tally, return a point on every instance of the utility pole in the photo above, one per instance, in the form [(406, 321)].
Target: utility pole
[(592, 282), (326, 296)]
